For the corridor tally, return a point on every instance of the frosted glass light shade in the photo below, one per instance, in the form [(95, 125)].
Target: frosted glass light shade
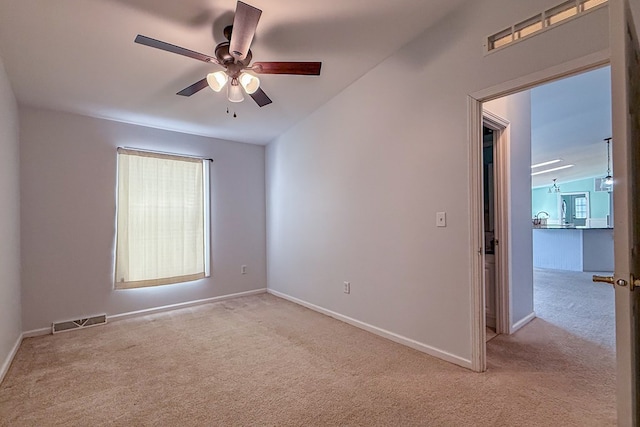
[(235, 92), (608, 180), (249, 82), (217, 80)]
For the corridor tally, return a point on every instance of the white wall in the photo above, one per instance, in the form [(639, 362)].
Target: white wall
[(353, 190), (516, 109), (10, 320), (68, 171)]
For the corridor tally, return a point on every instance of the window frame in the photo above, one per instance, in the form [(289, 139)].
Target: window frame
[(206, 224)]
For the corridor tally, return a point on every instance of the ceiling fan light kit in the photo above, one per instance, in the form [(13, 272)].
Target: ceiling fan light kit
[(235, 57), (235, 91), (217, 80), (250, 83)]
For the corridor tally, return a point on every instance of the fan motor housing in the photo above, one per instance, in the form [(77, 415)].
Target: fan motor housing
[(224, 56)]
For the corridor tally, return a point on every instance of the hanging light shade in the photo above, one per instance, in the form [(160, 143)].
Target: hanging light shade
[(235, 91), (217, 80), (554, 188), (608, 180), (249, 82)]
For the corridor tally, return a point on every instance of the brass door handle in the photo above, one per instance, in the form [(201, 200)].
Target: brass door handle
[(633, 283), (604, 279)]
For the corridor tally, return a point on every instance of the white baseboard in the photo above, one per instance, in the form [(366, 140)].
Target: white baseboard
[(131, 314), (379, 331), (491, 320), (36, 333), (7, 363), (122, 316), (516, 326)]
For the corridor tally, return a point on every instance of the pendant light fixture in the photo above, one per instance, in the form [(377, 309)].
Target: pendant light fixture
[(554, 188), (607, 181)]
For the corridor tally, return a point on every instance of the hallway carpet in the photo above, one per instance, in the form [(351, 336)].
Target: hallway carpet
[(263, 361), (571, 301)]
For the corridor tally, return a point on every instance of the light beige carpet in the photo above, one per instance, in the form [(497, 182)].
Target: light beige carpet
[(571, 301), (264, 361)]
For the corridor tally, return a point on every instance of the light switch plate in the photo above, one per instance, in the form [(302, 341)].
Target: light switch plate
[(441, 219)]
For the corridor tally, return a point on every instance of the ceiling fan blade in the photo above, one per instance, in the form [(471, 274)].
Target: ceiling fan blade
[(244, 28), (148, 41), (261, 98), (300, 68), (196, 87)]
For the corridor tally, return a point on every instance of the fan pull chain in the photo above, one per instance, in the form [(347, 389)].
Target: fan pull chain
[(234, 113)]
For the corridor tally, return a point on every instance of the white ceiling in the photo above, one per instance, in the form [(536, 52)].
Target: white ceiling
[(570, 119), (79, 56)]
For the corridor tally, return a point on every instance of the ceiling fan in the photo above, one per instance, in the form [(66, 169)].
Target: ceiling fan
[(235, 56)]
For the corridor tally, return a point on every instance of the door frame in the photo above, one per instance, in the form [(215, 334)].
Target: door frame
[(476, 120), (625, 74), (501, 170), (575, 193)]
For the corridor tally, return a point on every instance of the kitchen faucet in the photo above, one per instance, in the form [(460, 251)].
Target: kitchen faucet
[(537, 220)]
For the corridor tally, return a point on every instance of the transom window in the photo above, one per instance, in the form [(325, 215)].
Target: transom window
[(542, 21)]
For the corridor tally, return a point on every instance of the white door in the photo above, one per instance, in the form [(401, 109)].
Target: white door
[(625, 81)]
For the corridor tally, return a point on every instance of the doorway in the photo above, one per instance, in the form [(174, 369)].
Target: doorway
[(555, 186), (488, 183), (553, 336), (574, 209), (514, 197), (566, 305), (624, 82), (495, 224)]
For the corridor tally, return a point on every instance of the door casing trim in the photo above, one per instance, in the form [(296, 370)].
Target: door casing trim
[(502, 169)]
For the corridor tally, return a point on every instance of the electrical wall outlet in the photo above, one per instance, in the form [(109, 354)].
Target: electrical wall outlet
[(243, 269), (347, 287)]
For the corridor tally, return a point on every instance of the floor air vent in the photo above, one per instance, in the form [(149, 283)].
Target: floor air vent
[(78, 324)]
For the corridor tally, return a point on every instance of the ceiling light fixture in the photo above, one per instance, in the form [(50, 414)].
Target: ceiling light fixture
[(552, 170), (219, 79), (550, 162), (249, 82), (607, 182), (554, 188), (235, 91)]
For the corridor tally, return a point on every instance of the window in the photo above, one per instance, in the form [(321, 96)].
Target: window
[(162, 219), (541, 22), (501, 39), (561, 12), (580, 207), (528, 27)]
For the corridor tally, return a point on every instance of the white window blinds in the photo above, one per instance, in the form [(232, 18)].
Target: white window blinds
[(162, 219)]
